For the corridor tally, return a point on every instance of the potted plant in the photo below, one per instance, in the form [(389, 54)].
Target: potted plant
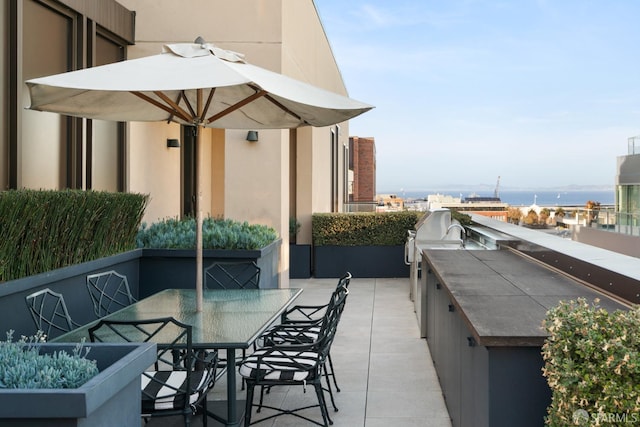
[(168, 251), (514, 215), (365, 244), (593, 208), (100, 383), (54, 239)]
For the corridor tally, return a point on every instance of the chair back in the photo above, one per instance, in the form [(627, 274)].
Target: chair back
[(311, 313), (175, 353), (109, 292), (49, 313), (232, 275), (344, 280), (332, 316)]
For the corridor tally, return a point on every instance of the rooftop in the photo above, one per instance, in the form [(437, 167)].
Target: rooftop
[(383, 367)]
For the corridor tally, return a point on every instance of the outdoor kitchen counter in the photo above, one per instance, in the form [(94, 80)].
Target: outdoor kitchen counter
[(483, 312), (503, 297)]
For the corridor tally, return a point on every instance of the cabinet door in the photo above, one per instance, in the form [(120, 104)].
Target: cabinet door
[(474, 386)]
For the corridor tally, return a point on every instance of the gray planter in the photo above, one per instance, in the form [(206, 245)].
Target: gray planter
[(70, 282), (112, 398), (360, 261), (299, 261), (162, 269), (148, 271)]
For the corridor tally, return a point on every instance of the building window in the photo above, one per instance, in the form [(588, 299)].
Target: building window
[(345, 173), (335, 132), (105, 161), (48, 150), (46, 137)]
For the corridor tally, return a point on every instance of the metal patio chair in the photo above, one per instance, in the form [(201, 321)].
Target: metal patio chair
[(232, 275), (49, 313), (303, 315), (109, 292), (179, 381), (294, 364)]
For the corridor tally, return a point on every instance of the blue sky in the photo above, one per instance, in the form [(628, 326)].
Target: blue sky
[(541, 93)]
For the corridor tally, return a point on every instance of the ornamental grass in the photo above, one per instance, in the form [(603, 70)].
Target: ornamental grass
[(43, 230)]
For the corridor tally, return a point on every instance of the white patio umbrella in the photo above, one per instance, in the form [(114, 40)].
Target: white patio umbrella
[(195, 84)]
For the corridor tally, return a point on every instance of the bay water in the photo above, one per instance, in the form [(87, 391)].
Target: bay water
[(577, 198)]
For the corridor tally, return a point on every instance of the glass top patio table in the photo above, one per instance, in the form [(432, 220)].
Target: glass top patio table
[(230, 319)]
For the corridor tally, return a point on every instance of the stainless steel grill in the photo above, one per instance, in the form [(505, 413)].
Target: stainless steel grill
[(435, 230)]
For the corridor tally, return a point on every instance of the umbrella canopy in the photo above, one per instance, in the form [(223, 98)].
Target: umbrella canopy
[(167, 86), (196, 84)]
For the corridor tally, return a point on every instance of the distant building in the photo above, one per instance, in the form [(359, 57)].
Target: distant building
[(362, 167), (628, 186), (491, 207), (389, 203), (437, 201)]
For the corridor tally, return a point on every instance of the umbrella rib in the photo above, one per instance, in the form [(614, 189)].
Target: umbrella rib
[(206, 106), (175, 106), (282, 107), (236, 106), (177, 102), (160, 105), (186, 101)]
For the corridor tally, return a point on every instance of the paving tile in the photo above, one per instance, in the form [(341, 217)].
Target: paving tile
[(433, 421), (400, 403), (383, 367)]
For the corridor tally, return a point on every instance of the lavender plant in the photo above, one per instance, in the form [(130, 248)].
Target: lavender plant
[(216, 234), (23, 367)]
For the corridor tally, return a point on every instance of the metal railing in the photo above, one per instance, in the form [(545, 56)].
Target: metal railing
[(605, 219), (359, 207), (633, 145)]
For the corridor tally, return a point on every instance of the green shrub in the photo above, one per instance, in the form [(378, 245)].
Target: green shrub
[(592, 365), (216, 234), (43, 230), (294, 228), (362, 229), (462, 218), (22, 366)]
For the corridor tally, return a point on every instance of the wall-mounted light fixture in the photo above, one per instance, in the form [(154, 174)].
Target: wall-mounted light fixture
[(252, 136), (173, 143)]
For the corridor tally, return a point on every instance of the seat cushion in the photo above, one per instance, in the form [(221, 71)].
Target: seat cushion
[(281, 365), (164, 390), (293, 335)]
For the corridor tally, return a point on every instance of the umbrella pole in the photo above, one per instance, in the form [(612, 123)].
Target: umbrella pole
[(199, 284)]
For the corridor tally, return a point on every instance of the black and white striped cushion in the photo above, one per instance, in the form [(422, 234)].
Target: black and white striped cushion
[(158, 396), (283, 335), (279, 365)]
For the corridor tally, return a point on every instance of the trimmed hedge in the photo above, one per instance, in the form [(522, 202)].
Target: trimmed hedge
[(362, 229), (42, 230)]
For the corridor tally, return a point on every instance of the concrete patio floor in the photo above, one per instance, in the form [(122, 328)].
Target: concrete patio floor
[(383, 367)]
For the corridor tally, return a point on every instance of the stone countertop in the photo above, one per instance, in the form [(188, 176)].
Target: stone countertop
[(503, 297)]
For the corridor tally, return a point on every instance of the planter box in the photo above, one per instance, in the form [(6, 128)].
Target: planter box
[(299, 261), (70, 282), (148, 271), (111, 398), (360, 261), (162, 269)]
